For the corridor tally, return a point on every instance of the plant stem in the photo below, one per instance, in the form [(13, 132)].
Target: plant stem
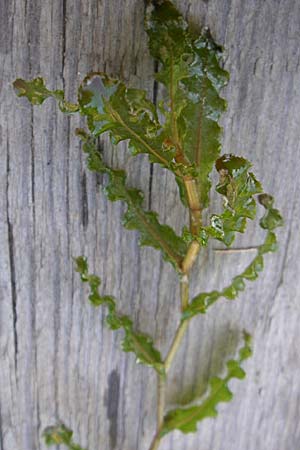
[(161, 381), (156, 441), (194, 204), (161, 393), (180, 332), (190, 257), (175, 344), (184, 291), (187, 264)]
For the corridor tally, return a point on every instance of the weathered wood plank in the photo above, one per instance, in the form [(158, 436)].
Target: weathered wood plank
[(57, 360)]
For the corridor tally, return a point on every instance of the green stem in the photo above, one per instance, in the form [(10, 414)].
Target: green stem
[(181, 330), (156, 441), (186, 266), (184, 291), (161, 394), (161, 381)]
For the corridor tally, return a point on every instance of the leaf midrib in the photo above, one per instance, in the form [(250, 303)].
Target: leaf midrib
[(198, 147), (204, 404), (151, 150), (148, 358), (143, 217)]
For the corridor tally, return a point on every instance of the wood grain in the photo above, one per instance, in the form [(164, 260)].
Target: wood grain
[(58, 362)]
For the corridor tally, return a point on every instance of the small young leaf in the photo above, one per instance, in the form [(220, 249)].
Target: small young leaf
[(186, 419), (203, 301), (272, 218), (152, 233), (238, 187), (36, 92), (138, 343), (60, 434)]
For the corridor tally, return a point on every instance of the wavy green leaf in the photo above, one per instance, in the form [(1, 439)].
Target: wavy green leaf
[(191, 72), (138, 343), (58, 435), (238, 186), (127, 114), (271, 220), (36, 92), (152, 233), (186, 419)]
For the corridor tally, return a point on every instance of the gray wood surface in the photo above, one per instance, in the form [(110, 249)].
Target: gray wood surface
[(58, 362)]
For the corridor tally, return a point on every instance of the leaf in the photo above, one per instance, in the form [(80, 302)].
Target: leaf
[(272, 218), (127, 114), (152, 233), (189, 136), (238, 187), (36, 92), (191, 72), (270, 221), (186, 419), (60, 434), (140, 344)]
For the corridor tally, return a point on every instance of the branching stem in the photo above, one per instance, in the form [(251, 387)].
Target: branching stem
[(186, 266), (161, 390)]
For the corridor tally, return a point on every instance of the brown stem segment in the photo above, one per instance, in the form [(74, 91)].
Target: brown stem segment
[(190, 257), (184, 291), (194, 204)]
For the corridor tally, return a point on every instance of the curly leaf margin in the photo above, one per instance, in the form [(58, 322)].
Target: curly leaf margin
[(270, 221), (36, 92), (190, 69), (152, 232), (138, 343), (60, 434), (186, 419)]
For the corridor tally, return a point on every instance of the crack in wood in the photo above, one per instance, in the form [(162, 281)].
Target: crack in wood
[(284, 264), (113, 395), (84, 202), (154, 99), (63, 63), (236, 250), (32, 146), (11, 247), (1, 431), (64, 35)]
